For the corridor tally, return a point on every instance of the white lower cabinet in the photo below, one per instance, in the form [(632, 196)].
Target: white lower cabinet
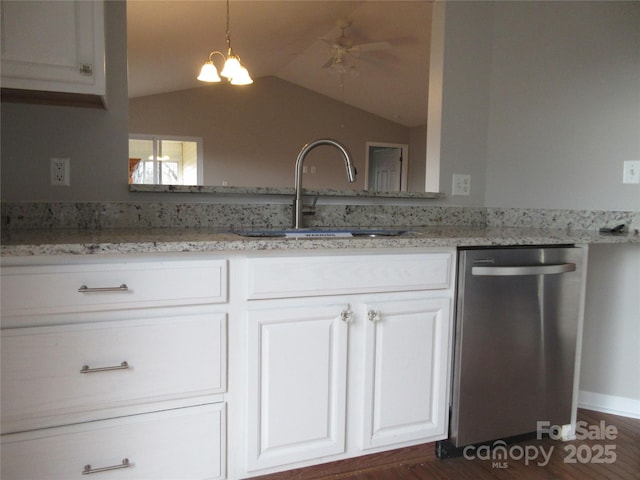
[(185, 444), (336, 376), (131, 367), (116, 367)]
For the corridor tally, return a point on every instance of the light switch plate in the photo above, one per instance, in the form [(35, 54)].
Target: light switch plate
[(631, 171), (461, 184)]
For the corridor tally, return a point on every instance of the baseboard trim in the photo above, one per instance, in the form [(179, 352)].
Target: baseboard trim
[(600, 402)]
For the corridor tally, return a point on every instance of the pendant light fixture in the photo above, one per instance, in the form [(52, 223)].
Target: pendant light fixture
[(232, 69)]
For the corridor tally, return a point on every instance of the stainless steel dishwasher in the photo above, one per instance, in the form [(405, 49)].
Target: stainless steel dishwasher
[(517, 321)]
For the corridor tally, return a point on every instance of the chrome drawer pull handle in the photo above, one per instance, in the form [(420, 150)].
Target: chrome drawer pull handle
[(121, 288), (88, 470), (87, 369)]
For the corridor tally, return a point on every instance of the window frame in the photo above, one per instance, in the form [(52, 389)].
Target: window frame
[(176, 138)]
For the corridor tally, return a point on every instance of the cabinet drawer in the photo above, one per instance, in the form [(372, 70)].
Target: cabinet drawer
[(44, 384), (186, 443), (284, 277), (59, 289)]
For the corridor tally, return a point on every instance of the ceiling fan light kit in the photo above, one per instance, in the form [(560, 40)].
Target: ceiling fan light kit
[(232, 69)]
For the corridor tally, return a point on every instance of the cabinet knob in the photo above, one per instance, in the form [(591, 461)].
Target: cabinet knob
[(373, 315), (346, 315), (86, 69)]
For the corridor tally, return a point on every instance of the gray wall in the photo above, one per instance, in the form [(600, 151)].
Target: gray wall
[(574, 68), (612, 326), (252, 135), (465, 97), (541, 103)]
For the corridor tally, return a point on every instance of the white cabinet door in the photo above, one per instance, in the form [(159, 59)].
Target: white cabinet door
[(406, 366), (297, 384), (53, 46)]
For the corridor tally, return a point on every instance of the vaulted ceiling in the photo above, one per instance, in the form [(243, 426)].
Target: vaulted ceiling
[(169, 40)]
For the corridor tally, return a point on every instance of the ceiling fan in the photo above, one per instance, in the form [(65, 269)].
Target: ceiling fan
[(345, 50)]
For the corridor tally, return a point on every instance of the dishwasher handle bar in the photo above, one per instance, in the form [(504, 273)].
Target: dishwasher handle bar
[(519, 270)]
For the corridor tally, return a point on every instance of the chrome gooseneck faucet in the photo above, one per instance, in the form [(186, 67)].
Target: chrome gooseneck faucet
[(351, 173)]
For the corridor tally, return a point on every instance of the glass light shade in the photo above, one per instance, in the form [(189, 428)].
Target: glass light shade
[(209, 73), (231, 67), (242, 77)]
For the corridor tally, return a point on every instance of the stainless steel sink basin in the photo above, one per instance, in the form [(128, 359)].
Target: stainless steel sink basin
[(322, 233)]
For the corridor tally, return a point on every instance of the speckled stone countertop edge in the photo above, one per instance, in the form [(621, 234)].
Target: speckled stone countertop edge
[(135, 241), (283, 191)]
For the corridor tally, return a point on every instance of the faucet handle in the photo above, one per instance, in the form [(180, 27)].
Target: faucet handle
[(310, 209)]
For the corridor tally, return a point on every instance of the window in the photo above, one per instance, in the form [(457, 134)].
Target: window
[(165, 160)]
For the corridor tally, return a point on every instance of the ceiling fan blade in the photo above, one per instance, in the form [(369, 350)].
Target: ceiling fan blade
[(370, 47), (328, 63)]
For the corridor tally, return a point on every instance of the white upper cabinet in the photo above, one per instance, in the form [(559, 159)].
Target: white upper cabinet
[(54, 47)]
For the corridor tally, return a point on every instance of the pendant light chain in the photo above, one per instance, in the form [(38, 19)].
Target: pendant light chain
[(228, 29), (232, 69)]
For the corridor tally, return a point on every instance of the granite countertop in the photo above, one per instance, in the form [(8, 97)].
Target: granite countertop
[(277, 191), (169, 240)]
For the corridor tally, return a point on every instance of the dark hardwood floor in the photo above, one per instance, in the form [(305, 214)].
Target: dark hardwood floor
[(599, 458)]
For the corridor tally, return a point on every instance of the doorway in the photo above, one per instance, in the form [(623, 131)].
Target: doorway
[(386, 167)]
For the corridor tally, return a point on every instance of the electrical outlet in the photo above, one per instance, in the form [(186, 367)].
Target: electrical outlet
[(461, 184), (631, 171), (60, 172)]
